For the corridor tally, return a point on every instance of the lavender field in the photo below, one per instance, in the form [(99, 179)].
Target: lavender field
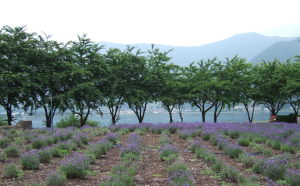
[(153, 154)]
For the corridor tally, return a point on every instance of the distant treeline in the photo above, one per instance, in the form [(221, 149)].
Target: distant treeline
[(37, 72)]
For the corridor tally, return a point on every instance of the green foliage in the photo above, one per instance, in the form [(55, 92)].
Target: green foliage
[(230, 174), (45, 155), (30, 161), (12, 151), (233, 152), (72, 120), (247, 161), (56, 179), (234, 134), (297, 164), (258, 166), (4, 142), (244, 142), (3, 157), (11, 171), (121, 175)]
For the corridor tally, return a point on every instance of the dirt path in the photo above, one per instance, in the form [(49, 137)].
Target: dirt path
[(151, 170), (196, 166)]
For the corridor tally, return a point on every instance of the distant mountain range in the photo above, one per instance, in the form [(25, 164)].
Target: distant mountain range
[(252, 46)]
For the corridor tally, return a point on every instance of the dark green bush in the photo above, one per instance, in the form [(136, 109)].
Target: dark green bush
[(74, 121), (45, 155), (244, 142), (4, 142), (234, 134), (11, 171), (291, 118), (56, 179), (30, 160), (12, 151)]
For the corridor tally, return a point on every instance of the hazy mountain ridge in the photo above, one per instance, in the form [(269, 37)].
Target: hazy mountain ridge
[(282, 50), (247, 45)]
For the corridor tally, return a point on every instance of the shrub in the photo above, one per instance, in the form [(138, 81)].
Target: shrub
[(123, 131), (30, 160), (132, 148), (3, 157), (179, 174), (292, 177), (72, 120), (12, 151), (275, 167), (243, 142), (234, 134), (45, 155), (4, 142), (100, 148), (39, 142), (11, 171), (288, 148), (233, 151), (172, 129), (217, 166), (297, 164), (164, 139), (66, 145), (76, 166), (205, 136), (57, 152), (258, 166), (195, 145), (56, 179), (168, 153), (230, 174), (247, 161), (112, 137), (121, 175)]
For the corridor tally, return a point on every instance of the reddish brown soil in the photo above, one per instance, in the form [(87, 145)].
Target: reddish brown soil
[(151, 170), (195, 165)]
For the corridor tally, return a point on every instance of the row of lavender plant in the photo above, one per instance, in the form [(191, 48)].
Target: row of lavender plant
[(31, 159), (123, 174), (225, 171), (177, 170), (274, 168), (77, 165)]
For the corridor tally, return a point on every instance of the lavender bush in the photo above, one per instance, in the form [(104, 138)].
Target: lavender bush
[(30, 160), (76, 166), (292, 177), (56, 179)]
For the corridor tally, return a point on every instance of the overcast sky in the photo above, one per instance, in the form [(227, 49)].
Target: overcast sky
[(171, 22)]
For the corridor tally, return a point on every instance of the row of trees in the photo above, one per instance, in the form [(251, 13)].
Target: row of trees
[(81, 76)]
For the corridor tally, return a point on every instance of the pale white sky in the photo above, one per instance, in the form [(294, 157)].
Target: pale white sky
[(171, 22)]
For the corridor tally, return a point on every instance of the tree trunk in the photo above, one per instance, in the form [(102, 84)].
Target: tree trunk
[(203, 116), (9, 114), (170, 109), (180, 108)]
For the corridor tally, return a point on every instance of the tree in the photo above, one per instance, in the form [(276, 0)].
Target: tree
[(269, 83), (83, 94), (201, 85), (15, 47), (115, 82), (291, 88), (169, 92), (49, 73), (241, 79)]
